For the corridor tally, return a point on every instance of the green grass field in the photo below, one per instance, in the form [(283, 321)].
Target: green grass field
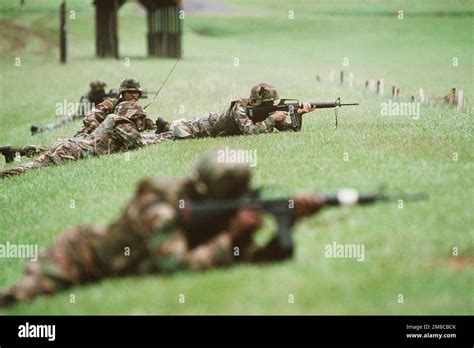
[(408, 251)]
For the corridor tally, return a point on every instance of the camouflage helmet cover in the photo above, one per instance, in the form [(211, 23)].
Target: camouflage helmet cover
[(215, 178), (130, 84), (263, 92), (130, 110)]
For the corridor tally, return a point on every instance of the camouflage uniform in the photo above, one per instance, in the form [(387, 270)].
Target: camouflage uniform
[(196, 128), (235, 121), (98, 114), (149, 236), (118, 132), (90, 123), (94, 96)]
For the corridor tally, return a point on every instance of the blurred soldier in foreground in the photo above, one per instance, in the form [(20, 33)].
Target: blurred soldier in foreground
[(92, 98), (151, 235), (118, 132), (205, 220), (236, 120)]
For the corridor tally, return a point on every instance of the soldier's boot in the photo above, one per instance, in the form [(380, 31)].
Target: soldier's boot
[(162, 125), (8, 152), (6, 299), (34, 129), (30, 287), (25, 289), (23, 168)]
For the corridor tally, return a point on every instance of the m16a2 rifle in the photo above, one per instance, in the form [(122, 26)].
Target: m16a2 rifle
[(259, 113), (200, 213)]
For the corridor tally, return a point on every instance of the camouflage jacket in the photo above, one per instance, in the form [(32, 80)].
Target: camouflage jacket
[(148, 236), (114, 134), (236, 121), (150, 226), (98, 115)]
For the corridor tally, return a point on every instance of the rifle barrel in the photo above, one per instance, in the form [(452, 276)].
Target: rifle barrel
[(326, 105), (419, 196), (352, 196), (322, 105)]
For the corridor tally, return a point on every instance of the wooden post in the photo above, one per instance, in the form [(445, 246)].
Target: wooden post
[(150, 26), (342, 77), (394, 88), (397, 93), (159, 32), (460, 99), (452, 97), (154, 34), (174, 37), (366, 84), (164, 32), (412, 99), (421, 94), (372, 86), (380, 88), (178, 34), (106, 28), (62, 33)]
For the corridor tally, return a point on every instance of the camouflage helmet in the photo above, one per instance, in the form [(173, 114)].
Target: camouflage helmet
[(215, 177), (130, 84), (97, 84), (263, 92), (130, 110)]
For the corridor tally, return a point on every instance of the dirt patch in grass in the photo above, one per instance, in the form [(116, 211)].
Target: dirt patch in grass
[(460, 261), (15, 36)]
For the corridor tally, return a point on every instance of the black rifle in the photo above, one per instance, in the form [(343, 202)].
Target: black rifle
[(260, 113), (201, 213), (115, 94)]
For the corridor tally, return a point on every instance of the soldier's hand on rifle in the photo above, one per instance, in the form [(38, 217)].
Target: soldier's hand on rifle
[(307, 204), (149, 124), (306, 108), (246, 221), (279, 116)]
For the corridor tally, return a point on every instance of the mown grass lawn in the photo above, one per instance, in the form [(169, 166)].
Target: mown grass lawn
[(408, 251)]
